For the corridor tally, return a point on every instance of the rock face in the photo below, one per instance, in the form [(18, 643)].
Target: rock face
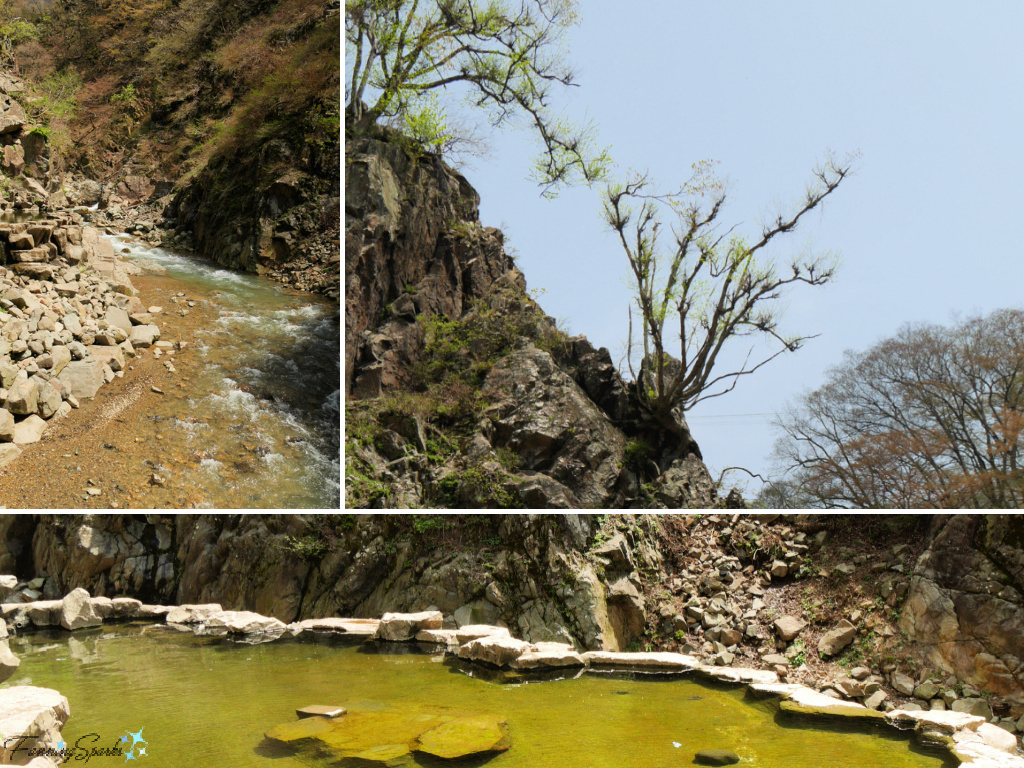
[(430, 292), (966, 600)]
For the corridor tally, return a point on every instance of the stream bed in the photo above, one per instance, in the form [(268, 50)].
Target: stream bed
[(209, 701)]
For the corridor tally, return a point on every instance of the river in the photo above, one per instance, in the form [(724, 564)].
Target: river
[(266, 387)]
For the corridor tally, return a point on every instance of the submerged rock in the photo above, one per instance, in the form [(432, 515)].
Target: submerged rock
[(388, 735), (465, 736), (716, 757)]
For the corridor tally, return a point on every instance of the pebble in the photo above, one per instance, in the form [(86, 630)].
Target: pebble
[(93, 491), (158, 391), (155, 310)]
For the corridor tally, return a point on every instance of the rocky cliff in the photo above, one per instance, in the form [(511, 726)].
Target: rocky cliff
[(461, 391), (965, 607)]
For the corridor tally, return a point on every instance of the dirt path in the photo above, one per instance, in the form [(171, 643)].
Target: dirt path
[(117, 441)]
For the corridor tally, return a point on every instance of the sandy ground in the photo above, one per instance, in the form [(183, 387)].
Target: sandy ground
[(118, 440)]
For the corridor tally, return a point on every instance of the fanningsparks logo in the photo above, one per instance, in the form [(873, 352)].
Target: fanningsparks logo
[(136, 750), (131, 746)]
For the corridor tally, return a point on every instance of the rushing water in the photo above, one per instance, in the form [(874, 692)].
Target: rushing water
[(263, 409), (208, 702)]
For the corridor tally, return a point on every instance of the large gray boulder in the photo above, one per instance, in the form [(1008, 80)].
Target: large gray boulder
[(77, 611)]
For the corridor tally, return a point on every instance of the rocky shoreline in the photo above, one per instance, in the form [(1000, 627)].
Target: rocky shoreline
[(40, 713)]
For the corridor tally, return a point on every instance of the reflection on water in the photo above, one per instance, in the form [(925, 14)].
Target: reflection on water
[(208, 702), (262, 417)]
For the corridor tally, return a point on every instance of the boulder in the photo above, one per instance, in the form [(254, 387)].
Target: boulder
[(788, 627), (363, 627), (36, 713), (48, 398), (997, 738), (29, 430), (144, 335), (110, 355), (13, 159), (494, 650), (61, 356), (193, 613), (77, 611), (903, 684), (22, 396), (833, 641), (83, 378), (115, 316), (876, 699), (404, 626), (125, 607), (12, 116)]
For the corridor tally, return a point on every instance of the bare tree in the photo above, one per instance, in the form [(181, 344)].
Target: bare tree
[(716, 284), (931, 418)]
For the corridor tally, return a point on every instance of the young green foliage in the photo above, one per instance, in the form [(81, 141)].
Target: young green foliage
[(508, 54)]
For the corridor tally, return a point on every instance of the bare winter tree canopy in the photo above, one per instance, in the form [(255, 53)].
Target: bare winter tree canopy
[(510, 54), (931, 418), (712, 285)]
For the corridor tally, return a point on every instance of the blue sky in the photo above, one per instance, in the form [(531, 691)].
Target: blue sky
[(930, 94)]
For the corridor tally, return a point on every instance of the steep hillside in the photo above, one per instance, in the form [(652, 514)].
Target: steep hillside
[(887, 609), (461, 391), (221, 115)]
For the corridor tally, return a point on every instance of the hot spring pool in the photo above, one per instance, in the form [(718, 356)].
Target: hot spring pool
[(208, 702)]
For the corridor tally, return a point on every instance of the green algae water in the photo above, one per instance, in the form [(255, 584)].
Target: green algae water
[(209, 702)]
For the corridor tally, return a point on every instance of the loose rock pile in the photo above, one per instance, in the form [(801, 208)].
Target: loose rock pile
[(69, 321)]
